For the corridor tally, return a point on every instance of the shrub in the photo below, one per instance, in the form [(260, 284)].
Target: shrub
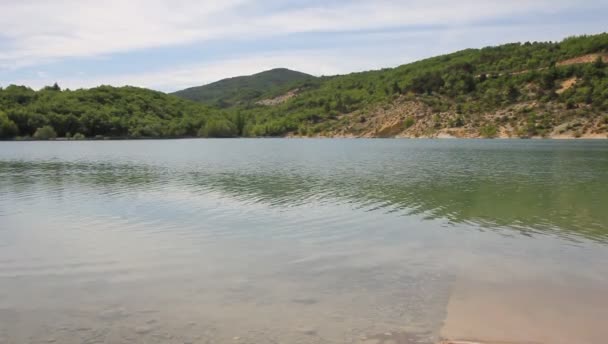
[(78, 136), (409, 122), (489, 131), (45, 133), (457, 122)]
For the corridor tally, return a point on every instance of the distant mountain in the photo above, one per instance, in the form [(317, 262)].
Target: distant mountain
[(243, 90)]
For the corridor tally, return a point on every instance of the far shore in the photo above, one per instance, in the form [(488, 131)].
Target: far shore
[(440, 136)]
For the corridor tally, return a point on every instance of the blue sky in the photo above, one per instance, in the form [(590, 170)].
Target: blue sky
[(173, 44)]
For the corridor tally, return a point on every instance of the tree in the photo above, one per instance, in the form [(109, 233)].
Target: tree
[(396, 88), (599, 63), (340, 104), (548, 79), (239, 122), (218, 128), (427, 83), (8, 128), (512, 93)]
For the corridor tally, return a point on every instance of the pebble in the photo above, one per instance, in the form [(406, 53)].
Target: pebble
[(236, 338)]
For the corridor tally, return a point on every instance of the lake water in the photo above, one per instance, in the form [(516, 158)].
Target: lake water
[(303, 241)]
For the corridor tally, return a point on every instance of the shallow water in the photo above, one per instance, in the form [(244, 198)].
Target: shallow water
[(303, 241)]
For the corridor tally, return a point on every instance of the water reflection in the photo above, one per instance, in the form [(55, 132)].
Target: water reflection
[(559, 190)]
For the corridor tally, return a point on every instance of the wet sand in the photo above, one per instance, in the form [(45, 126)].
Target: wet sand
[(525, 312)]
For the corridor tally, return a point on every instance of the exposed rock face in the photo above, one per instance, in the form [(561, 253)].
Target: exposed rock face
[(589, 58), (407, 117)]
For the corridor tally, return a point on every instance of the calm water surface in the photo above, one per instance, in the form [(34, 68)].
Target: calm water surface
[(303, 241)]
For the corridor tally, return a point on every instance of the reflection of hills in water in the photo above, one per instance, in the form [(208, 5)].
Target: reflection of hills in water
[(562, 192)]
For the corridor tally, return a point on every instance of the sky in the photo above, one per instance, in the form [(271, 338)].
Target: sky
[(169, 45)]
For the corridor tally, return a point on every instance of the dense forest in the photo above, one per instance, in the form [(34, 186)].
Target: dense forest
[(106, 112), (523, 89)]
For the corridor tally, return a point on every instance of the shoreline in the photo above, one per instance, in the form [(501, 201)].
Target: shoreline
[(341, 137)]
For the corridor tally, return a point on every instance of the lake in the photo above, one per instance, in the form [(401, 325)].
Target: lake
[(303, 241)]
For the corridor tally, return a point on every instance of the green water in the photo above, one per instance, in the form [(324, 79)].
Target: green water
[(279, 240)]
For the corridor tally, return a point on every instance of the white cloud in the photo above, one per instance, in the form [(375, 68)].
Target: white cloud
[(40, 30), (35, 31)]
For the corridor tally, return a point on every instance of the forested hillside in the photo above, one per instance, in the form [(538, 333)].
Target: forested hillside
[(528, 89), (515, 90), (104, 111)]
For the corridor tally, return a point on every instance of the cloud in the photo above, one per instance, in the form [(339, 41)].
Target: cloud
[(38, 31)]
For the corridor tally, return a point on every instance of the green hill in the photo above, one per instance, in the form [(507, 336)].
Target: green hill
[(104, 111), (243, 90), (538, 89)]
